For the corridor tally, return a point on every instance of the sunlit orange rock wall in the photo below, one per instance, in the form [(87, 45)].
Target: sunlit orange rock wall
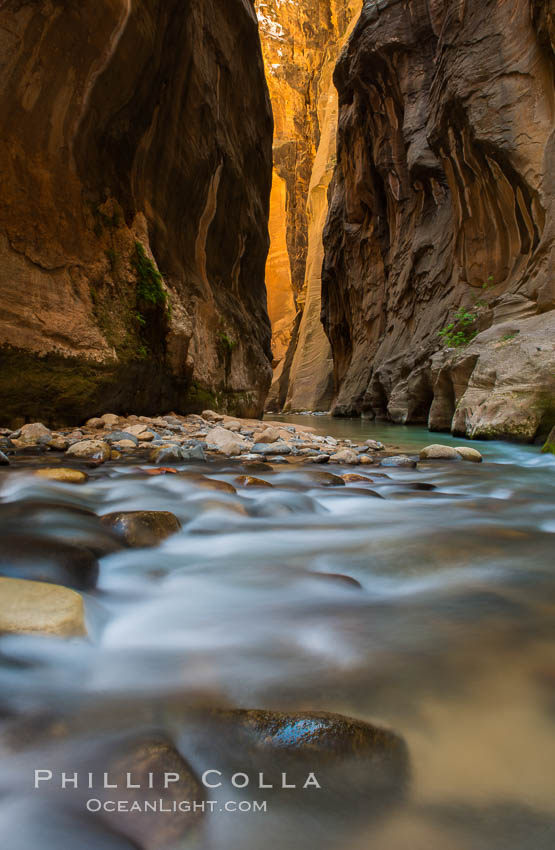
[(301, 42)]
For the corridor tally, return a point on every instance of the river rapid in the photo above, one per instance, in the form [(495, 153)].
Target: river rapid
[(449, 640)]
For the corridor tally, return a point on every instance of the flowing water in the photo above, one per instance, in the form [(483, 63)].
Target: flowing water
[(449, 640)]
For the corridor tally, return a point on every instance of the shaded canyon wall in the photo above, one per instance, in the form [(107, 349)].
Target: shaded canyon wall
[(443, 198), (135, 164), (301, 42)]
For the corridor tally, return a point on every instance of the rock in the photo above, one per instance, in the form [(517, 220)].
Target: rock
[(266, 435), (327, 479), (95, 449), (142, 528), (232, 425), (47, 559), (226, 442), (177, 453), (468, 453), (319, 458), (63, 474), (257, 466), (215, 484), (483, 234), (549, 446), (279, 448), (96, 423), (365, 460), (31, 606), (58, 443), (141, 432), (116, 436), (340, 578), (110, 419), (147, 763), (212, 416), (121, 445), (114, 454), (347, 456), (374, 445), (353, 477), (298, 741), (164, 470), (32, 434), (399, 461), (4, 460), (251, 481), (438, 452)]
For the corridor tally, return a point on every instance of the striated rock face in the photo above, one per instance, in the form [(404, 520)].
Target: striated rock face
[(301, 42), (443, 198), (135, 163)]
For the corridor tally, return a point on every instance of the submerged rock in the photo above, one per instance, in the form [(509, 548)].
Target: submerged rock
[(48, 559), (4, 460), (142, 528), (215, 484), (63, 474), (327, 479), (31, 606), (251, 481), (400, 461)]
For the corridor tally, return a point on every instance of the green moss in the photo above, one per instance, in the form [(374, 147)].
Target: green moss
[(549, 448), (149, 280)]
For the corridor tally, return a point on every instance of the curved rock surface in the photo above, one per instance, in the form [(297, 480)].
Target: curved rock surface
[(135, 162), (443, 198)]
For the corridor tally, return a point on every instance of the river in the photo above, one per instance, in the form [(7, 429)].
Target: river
[(449, 641)]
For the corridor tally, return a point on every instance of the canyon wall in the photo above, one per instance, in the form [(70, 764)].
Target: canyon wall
[(135, 164), (442, 213), (301, 42)]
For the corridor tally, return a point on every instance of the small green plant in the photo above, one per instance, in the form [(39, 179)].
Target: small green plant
[(508, 336), (225, 342), (461, 330), (149, 279)]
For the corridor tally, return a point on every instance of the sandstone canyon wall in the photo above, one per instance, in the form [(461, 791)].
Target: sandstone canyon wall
[(301, 42), (135, 165), (443, 198)]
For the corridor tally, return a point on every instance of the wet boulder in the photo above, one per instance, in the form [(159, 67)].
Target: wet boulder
[(142, 528), (470, 454), (400, 461), (347, 456), (31, 606), (439, 452), (251, 481), (47, 559), (62, 474), (93, 449)]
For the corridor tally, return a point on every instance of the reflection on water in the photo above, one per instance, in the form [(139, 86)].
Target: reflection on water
[(449, 641)]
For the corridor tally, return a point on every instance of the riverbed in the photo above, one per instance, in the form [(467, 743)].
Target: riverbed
[(422, 602)]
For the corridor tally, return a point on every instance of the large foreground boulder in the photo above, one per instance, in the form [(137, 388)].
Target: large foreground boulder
[(31, 606)]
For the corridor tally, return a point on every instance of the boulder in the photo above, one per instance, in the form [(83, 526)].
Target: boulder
[(32, 606), (94, 449), (58, 443), (319, 458), (95, 423), (251, 481), (401, 461), (47, 559), (374, 445), (116, 436), (353, 478), (215, 484), (468, 453), (278, 448), (266, 435), (212, 416), (439, 452), (226, 442), (63, 474), (142, 528), (31, 434), (110, 419), (124, 444), (164, 454), (347, 456), (327, 479)]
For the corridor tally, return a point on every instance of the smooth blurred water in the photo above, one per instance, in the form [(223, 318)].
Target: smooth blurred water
[(449, 641)]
